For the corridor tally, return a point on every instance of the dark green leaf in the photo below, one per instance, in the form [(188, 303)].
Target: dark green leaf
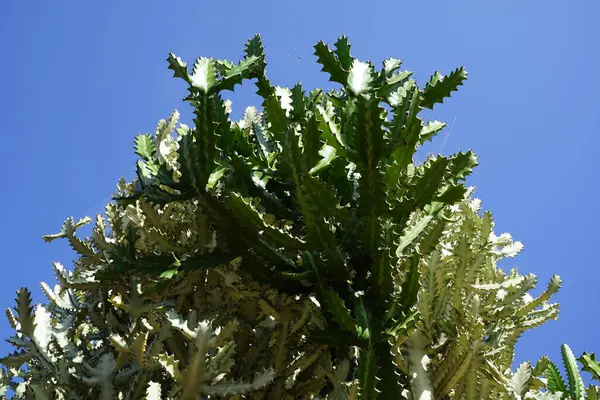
[(179, 68), (412, 233), (461, 165), (405, 127), (428, 182), (440, 87), (298, 103), (205, 135), (403, 323), (275, 114), (342, 51), (186, 156), (451, 194), (367, 373), (18, 358), (388, 384), (432, 238), (371, 188), (330, 63), (246, 69), (590, 364), (410, 286), (555, 380), (336, 307), (367, 361), (364, 320), (25, 312), (319, 205), (255, 47), (311, 143), (381, 278), (243, 210)]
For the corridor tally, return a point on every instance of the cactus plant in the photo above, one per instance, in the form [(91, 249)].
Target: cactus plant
[(299, 252)]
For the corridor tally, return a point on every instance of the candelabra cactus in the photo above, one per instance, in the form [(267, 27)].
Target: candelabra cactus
[(298, 252)]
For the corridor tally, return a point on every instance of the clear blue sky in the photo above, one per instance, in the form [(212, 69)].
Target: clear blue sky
[(79, 79)]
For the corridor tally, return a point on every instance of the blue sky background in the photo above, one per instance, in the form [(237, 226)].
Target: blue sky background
[(78, 80)]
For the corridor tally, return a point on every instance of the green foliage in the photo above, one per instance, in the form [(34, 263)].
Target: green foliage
[(310, 183), (590, 364), (440, 86), (471, 313), (296, 253), (573, 388)]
